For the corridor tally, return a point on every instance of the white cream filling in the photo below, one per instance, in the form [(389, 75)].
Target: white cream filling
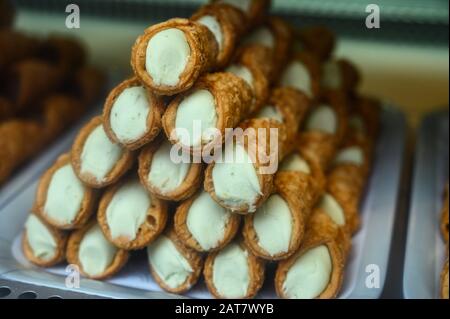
[(262, 36), (231, 272), (273, 225), (297, 76), (296, 163), (196, 119), (331, 75), (323, 119), (165, 174), (351, 155), (96, 253), (332, 208), (242, 72), (214, 26), (170, 265), (167, 56), (310, 275), (206, 221), (243, 5), (129, 114), (65, 195), (99, 155), (235, 180), (271, 112), (40, 239), (127, 210)]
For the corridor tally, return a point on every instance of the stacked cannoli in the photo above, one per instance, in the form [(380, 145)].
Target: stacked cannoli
[(259, 148), (444, 231)]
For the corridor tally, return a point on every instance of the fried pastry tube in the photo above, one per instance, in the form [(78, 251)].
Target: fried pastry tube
[(129, 216), (97, 161), (303, 73), (318, 147), (276, 230), (316, 270), (132, 115), (254, 10), (15, 46), (242, 179), (287, 106), (165, 177), (444, 282), (199, 118), (42, 244), (340, 74), (444, 218), (234, 272), (225, 22), (90, 83), (169, 57), (175, 267), (204, 225), (365, 117), (318, 40), (96, 257), (62, 200)]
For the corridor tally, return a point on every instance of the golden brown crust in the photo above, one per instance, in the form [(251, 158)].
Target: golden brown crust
[(444, 282), (256, 271), (230, 20), (121, 167), (444, 218), (73, 246), (321, 231), (283, 41), (312, 64), (203, 56), (317, 147), (60, 239), (350, 75), (182, 230), (368, 109), (317, 39), (15, 46), (256, 14), (153, 226), (232, 96), (187, 188), (154, 125), (193, 257), (336, 99), (90, 82), (88, 204)]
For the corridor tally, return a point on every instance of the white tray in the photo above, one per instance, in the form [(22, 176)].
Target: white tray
[(425, 248), (371, 246)]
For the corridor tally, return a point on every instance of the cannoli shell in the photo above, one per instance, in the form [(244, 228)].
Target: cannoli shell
[(284, 36), (121, 167), (370, 111), (444, 218), (232, 97), (230, 20), (257, 12), (337, 100), (256, 269), (444, 282), (88, 204), (154, 117), (320, 231), (15, 46), (319, 40), (61, 241), (350, 75), (189, 186), (90, 82), (182, 230), (203, 56), (317, 147), (73, 247), (193, 257)]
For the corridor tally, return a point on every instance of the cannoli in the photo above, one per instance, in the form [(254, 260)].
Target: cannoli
[(242, 179), (316, 270), (257, 56), (225, 22), (254, 10), (444, 218), (217, 102), (275, 231), (444, 282), (204, 225), (364, 118), (15, 46), (316, 39), (303, 73), (166, 178), (97, 161), (6, 14), (61, 198), (340, 75), (59, 112), (169, 57), (132, 115), (42, 244), (89, 82), (95, 256), (175, 267), (287, 106), (234, 272), (129, 216), (276, 35), (318, 147)]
